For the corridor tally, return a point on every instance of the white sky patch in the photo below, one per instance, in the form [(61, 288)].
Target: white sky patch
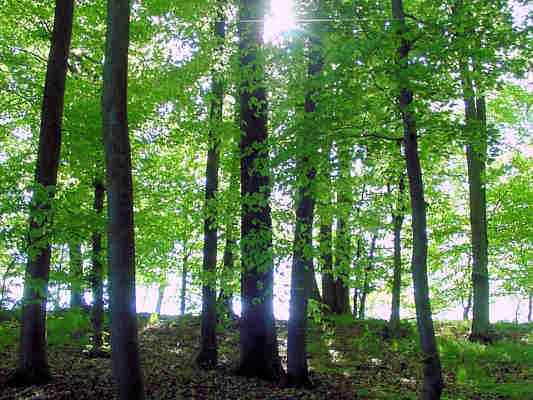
[(280, 20)]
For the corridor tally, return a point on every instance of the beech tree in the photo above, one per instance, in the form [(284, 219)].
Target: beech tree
[(33, 363), (258, 340), (433, 383), (119, 185)]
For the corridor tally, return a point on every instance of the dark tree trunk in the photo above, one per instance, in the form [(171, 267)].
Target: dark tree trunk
[(33, 363), (121, 247), (302, 274), (97, 275), (76, 275), (183, 288), (208, 356), (160, 298), (312, 284), (226, 296), (476, 156), (343, 250), (397, 220), (433, 383), (366, 285), (258, 341), (326, 255)]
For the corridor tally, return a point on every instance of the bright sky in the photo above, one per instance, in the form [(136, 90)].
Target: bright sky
[(280, 20)]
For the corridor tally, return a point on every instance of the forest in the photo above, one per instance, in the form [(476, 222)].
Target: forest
[(266, 199)]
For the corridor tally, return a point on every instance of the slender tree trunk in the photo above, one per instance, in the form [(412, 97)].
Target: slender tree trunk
[(258, 340), (433, 383), (530, 308), (366, 286), (326, 256), (183, 289), (76, 275), (33, 363), (121, 247), (160, 298), (208, 356), (302, 275), (343, 250), (97, 275), (397, 219), (466, 310)]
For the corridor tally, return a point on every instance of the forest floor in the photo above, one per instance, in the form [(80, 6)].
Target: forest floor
[(348, 359)]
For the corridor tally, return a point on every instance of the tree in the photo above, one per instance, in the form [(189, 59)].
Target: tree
[(120, 241), (76, 275), (97, 273), (258, 341), (207, 358), (397, 221), (33, 364), (433, 382), (302, 263)]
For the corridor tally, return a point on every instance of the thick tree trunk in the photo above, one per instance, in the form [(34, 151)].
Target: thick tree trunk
[(121, 248), (476, 156), (76, 275), (258, 341), (33, 363), (397, 218), (97, 275), (433, 383), (366, 285), (302, 274), (208, 356)]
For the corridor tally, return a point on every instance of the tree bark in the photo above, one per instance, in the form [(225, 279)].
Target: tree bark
[(476, 156), (183, 288), (397, 220), (343, 250), (366, 286), (121, 247), (33, 363), (97, 275), (258, 341), (302, 274), (433, 383), (208, 356), (76, 276), (160, 298)]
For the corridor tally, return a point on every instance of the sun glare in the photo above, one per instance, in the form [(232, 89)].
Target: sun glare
[(280, 20)]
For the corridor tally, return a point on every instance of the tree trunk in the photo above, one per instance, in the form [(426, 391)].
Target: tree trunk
[(302, 274), (433, 383), (76, 275), (476, 155), (97, 276), (366, 286), (466, 309), (160, 298), (183, 289), (530, 308), (258, 341), (397, 219), (121, 247), (33, 363), (208, 356), (343, 251)]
